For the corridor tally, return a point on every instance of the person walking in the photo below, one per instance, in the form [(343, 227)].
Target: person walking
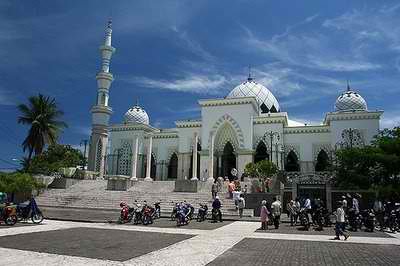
[(276, 209), (241, 205), (214, 189), (231, 188), (264, 215), (296, 207), (340, 219), (308, 208)]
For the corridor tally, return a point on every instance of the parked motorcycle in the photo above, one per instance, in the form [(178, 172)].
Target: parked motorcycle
[(304, 220), (147, 215), (173, 213), (138, 215), (29, 210), (157, 210), (8, 214), (368, 219), (126, 213), (182, 215), (202, 212)]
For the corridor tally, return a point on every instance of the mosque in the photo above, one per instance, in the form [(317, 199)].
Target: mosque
[(245, 126)]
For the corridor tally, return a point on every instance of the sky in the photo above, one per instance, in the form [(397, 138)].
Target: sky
[(169, 54)]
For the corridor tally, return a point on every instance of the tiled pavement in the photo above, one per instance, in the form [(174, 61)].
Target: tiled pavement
[(236, 243)]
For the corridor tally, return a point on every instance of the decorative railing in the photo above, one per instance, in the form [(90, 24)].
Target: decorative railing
[(308, 178)]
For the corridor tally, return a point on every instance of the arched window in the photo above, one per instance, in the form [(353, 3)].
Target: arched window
[(173, 167), (322, 162), (292, 162), (261, 152)]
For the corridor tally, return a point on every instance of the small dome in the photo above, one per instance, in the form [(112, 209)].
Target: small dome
[(136, 115), (265, 99), (350, 101)]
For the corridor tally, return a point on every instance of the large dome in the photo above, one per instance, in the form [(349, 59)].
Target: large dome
[(350, 101), (265, 99), (136, 115)]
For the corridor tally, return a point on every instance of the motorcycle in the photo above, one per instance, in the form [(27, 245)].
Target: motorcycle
[(8, 214), (215, 215), (319, 218), (368, 219), (174, 211), (29, 210), (304, 220), (157, 210), (182, 215), (147, 215), (126, 213), (202, 213), (354, 220), (138, 215)]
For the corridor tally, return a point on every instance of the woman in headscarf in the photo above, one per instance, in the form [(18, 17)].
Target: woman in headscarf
[(264, 215)]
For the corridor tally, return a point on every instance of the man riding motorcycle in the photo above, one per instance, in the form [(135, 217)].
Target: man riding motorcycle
[(216, 210)]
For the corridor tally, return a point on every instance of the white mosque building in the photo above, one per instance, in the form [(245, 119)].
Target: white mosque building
[(245, 126)]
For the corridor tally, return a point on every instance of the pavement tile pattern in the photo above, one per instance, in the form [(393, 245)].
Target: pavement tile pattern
[(283, 252), (107, 244)]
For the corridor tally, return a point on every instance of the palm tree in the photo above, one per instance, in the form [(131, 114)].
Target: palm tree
[(42, 114)]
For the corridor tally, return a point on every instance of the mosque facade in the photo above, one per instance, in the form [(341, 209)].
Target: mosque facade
[(245, 126)]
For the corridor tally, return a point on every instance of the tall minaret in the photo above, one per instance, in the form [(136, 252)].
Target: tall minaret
[(101, 111)]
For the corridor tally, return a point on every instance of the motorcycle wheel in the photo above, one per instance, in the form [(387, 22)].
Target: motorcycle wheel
[(11, 220), (37, 218)]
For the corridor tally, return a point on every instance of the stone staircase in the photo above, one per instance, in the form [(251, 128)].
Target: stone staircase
[(92, 194)]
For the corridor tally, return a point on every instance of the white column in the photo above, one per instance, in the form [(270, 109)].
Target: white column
[(149, 148), (211, 159), (194, 166), (134, 160)]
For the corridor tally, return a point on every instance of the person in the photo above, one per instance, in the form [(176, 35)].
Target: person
[(307, 207), (245, 189), (296, 207), (264, 215), (241, 205), (379, 211), (214, 189), (231, 188), (344, 203), (356, 204), (276, 212), (217, 208), (291, 206), (340, 222)]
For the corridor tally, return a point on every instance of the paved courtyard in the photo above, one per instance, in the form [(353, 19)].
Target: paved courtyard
[(233, 243)]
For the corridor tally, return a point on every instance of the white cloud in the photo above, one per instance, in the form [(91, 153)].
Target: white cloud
[(194, 83), (390, 119)]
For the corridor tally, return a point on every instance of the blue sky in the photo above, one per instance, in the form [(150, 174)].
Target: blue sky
[(172, 53)]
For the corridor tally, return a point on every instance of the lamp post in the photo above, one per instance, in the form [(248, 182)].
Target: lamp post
[(271, 136)]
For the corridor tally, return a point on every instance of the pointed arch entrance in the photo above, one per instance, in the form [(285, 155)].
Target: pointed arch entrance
[(261, 152), (292, 162), (228, 160), (322, 162), (173, 167)]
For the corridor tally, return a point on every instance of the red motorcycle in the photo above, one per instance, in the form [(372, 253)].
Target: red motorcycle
[(126, 213), (147, 217)]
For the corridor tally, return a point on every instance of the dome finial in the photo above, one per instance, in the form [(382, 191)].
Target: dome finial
[(250, 78), (137, 102), (348, 85)]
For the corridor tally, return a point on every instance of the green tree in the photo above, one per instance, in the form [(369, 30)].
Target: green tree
[(55, 157), (261, 170), (373, 166), (42, 114)]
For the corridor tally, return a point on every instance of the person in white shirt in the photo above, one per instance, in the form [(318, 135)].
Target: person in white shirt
[(276, 208), (307, 206), (340, 219), (241, 205)]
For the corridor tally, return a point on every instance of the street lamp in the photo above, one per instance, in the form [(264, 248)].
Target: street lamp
[(271, 136)]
